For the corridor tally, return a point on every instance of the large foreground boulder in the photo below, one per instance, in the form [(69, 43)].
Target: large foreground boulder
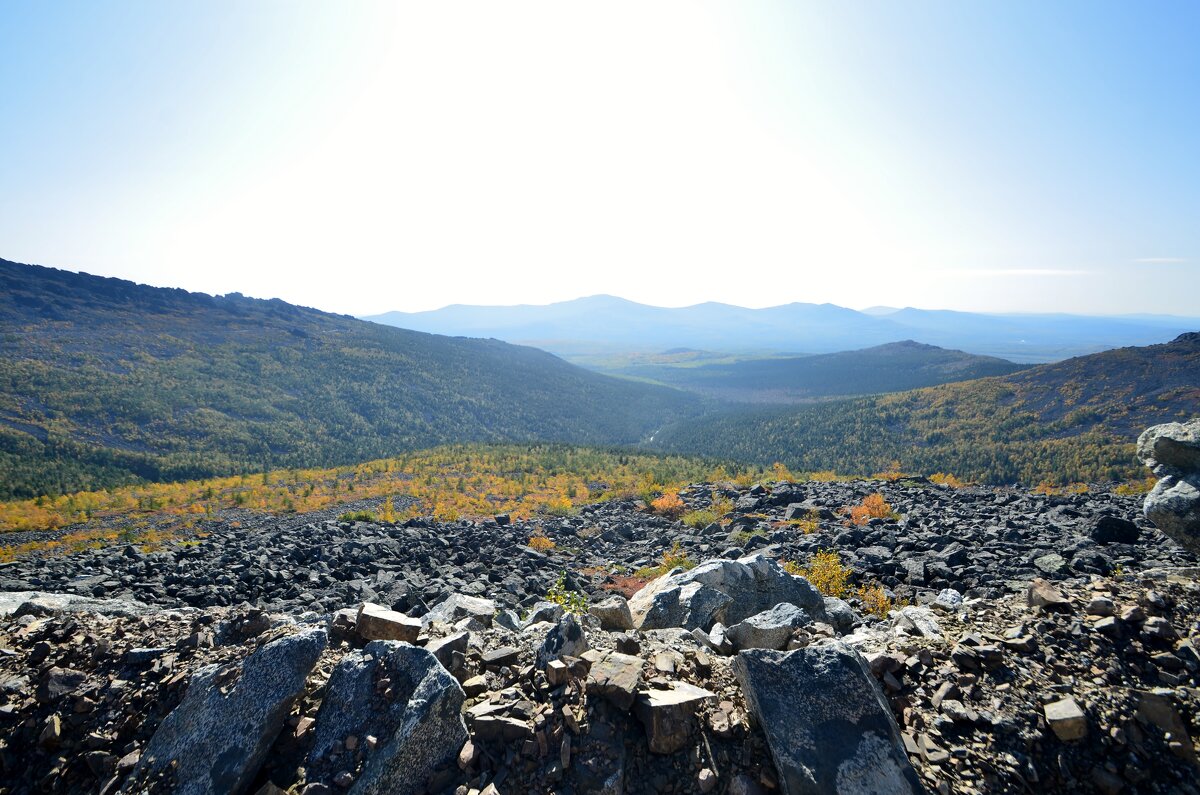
[(827, 723), (216, 740), (1172, 451), (727, 591), (415, 714)]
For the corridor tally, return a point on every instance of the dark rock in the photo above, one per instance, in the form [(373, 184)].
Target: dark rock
[(1113, 530), (565, 639), (216, 740), (828, 725), (416, 718)]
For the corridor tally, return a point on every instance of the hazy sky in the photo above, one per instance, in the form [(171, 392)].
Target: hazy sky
[(359, 157)]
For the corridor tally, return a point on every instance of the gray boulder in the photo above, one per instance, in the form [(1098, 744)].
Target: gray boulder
[(40, 603), (543, 611), (722, 590), (613, 613), (459, 606), (1172, 448), (1172, 451), (219, 735), (770, 629), (827, 723), (417, 719), (839, 614)]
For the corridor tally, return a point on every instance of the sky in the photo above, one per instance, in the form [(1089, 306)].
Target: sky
[(363, 157)]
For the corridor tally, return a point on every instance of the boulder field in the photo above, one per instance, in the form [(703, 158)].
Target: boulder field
[(1035, 643)]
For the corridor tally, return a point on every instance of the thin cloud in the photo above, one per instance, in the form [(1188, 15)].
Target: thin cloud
[(1161, 260), (1021, 272)]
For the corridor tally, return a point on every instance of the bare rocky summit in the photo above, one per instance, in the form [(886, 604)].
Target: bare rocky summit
[(1036, 643)]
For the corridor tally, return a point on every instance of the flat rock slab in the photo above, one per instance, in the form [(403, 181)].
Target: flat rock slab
[(375, 622), (416, 716), (42, 603), (827, 723), (218, 737)]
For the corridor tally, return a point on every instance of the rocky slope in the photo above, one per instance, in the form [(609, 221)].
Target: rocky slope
[(1083, 681)]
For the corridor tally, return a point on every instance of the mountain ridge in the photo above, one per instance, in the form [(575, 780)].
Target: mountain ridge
[(1075, 420), (105, 382), (891, 367), (572, 329)]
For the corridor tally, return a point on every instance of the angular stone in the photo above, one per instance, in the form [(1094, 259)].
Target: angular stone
[(549, 612), (1156, 708), (722, 590), (445, 648), (216, 740), (1052, 563), (1043, 594), (417, 718), (918, 620), (670, 715), (616, 677), (1066, 719), (1114, 530), (565, 639), (500, 728), (828, 725), (498, 658), (1172, 448), (375, 622), (459, 606), (1173, 506), (770, 629), (58, 682), (613, 613), (839, 614)]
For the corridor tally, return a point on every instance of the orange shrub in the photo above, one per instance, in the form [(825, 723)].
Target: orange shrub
[(668, 505), (539, 542), (946, 479), (873, 507)]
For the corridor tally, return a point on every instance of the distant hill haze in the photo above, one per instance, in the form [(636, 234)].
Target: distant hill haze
[(104, 382), (894, 367), (1075, 420), (604, 325)]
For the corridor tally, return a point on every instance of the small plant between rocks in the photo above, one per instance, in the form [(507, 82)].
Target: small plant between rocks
[(570, 601), (825, 571)]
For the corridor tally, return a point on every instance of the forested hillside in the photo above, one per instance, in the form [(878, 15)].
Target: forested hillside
[(894, 367), (1075, 420), (105, 382)]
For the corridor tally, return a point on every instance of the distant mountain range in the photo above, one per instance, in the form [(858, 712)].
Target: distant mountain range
[(105, 382), (1075, 420), (603, 324), (894, 367)]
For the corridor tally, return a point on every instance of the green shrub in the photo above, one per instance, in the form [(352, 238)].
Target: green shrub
[(570, 601)]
